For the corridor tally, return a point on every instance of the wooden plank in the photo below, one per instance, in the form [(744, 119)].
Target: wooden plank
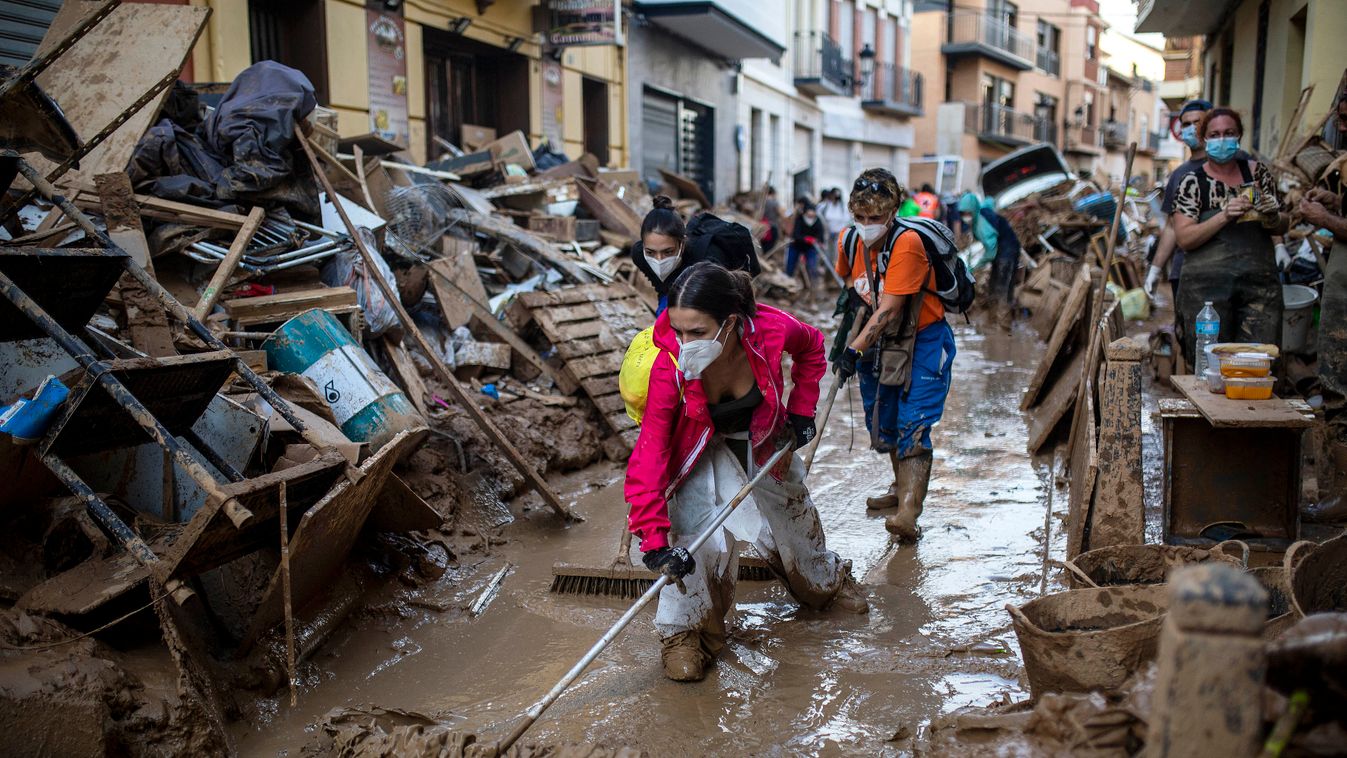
[(522, 349), (686, 188), (327, 531), (116, 63), (584, 293), (603, 364), (145, 317), (457, 287), (611, 211), (410, 378), (1072, 311), (527, 242), (220, 278), (266, 306), (609, 404), (1224, 413), (556, 227), (1058, 400)]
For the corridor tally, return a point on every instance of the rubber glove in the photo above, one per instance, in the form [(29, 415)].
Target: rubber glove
[(803, 426), (674, 562), (846, 365), (1283, 257), (1153, 275)]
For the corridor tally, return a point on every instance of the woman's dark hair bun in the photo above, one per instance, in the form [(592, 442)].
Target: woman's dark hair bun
[(663, 219)]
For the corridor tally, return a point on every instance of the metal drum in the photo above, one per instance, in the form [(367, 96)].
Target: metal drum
[(367, 405)]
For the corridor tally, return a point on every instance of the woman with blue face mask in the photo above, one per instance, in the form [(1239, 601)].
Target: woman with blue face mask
[(718, 407), (1226, 214)]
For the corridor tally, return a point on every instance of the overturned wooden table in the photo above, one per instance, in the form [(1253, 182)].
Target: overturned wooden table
[(1231, 460)]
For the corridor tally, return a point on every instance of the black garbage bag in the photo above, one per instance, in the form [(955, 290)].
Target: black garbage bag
[(172, 163), (253, 132)]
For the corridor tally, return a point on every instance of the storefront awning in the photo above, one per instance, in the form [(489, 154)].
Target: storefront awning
[(711, 26), (1182, 18)]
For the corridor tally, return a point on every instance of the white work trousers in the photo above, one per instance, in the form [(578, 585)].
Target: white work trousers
[(777, 518)]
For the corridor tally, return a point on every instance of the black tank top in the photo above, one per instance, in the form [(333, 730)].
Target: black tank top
[(734, 417)]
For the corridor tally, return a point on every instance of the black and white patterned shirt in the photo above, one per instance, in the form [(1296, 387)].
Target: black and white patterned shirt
[(1188, 199)]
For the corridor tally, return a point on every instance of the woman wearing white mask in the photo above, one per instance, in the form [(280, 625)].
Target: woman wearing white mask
[(659, 252), (712, 417), (1227, 237)]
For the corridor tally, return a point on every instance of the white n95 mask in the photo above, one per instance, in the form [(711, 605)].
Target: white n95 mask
[(663, 267), (695, 356), (871, 233)]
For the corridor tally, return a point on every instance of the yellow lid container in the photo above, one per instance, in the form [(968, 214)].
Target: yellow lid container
[(1249, 388)]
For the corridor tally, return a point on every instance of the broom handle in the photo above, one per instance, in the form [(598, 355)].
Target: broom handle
[(862, 315), (536, 710), (818, 437)]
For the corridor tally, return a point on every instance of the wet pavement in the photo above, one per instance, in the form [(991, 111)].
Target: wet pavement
[(791, 682)]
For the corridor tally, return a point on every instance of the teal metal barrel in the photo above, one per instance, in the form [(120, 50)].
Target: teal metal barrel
[(367, 405)]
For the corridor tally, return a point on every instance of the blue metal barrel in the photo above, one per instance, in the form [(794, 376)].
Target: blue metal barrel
[(367, 405)]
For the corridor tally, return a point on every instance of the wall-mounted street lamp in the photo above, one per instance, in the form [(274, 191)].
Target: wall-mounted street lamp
[(514, 44), (867, 56), (460, 25)]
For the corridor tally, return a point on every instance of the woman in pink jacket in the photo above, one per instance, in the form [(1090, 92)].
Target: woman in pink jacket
[(711, 419)]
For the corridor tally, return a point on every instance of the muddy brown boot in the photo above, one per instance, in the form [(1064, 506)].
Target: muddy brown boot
[(683, 656), (914, 475), (850, 597), (892, 497)]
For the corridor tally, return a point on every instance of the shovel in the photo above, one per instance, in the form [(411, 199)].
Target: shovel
[(536, 710)]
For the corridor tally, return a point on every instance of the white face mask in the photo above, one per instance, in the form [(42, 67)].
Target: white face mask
[(872, 233), (695, 356), (663, 267)]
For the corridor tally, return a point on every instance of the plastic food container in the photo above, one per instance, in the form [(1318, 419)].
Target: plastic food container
[(1246, 365), (1215, 381), (1249, 388)]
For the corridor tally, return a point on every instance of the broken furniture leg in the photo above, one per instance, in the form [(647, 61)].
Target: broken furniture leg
[(442, 370), (231, 260)]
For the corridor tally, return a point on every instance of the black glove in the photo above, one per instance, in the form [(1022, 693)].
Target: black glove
[(803, 426), (673, 562), (846, 364)]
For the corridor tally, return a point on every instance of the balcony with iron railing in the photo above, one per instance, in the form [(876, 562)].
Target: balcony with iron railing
[(980, 34), (820, 68), (1150, 142), (1083, 138), (894, 90), (1114, 135), (1049, 62), (999, 123)]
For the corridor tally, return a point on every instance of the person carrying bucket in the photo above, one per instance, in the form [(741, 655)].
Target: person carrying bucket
[(904, 353), (710, 420)]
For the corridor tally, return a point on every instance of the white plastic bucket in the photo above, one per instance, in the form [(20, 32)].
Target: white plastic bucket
[(1297, 315)]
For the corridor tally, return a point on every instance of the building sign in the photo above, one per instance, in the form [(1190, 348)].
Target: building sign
[(554, 100), (387, 46), (572, 23)]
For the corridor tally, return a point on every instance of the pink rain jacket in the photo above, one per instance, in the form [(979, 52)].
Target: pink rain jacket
[(677, 424)]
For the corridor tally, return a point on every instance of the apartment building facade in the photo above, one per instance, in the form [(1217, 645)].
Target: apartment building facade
[(1258, 55), (1134, 111), (1008, 74)]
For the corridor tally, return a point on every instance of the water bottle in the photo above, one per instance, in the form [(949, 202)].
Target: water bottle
[(1208, 331)]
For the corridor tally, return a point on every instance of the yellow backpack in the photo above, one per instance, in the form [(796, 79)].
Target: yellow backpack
[(634, 379)]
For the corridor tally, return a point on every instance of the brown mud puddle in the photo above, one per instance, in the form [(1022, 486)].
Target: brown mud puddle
[(790, 681)]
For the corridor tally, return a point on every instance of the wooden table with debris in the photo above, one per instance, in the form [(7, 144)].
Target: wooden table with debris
[(1232, 460)]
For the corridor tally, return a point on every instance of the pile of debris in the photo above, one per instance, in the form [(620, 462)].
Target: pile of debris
[(251, 369)]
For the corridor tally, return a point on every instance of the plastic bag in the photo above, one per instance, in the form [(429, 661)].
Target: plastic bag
[(347, 269)]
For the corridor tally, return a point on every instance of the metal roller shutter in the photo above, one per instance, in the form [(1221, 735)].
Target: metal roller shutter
[(22, 25), (659, 136)]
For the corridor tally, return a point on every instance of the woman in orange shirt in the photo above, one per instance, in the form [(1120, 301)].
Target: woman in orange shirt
[(904, 353)]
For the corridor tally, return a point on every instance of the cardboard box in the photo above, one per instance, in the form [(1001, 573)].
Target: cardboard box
[(475, 137), (512, 148)]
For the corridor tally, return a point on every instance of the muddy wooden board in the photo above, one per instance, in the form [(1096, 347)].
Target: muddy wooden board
[(1056, 404), (1083, 470), (1224, 413), (327, 531), (210, 539), (1071, 313), (113, 65), (84, 588), (590, 327)]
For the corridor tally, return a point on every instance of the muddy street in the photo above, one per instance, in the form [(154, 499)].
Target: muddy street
[(791, 681)]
